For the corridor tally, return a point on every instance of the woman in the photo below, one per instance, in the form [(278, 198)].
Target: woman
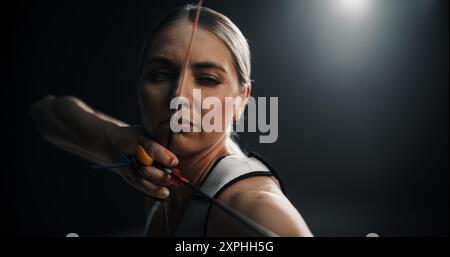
[(218, 63)]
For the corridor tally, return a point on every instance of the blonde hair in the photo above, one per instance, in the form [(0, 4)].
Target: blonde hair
[(216, 23)]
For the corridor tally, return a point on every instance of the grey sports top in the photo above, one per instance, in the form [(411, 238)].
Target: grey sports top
[(225, 172)]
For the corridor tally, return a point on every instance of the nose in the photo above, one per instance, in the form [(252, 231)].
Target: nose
[(184, 86)]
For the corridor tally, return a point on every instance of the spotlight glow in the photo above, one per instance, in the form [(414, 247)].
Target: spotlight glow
[(354, 7)]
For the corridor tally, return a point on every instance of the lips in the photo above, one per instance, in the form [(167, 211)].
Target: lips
[(166, 123)]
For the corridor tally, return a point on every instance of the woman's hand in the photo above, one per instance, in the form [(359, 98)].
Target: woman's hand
[(150, 180), (72, 125)]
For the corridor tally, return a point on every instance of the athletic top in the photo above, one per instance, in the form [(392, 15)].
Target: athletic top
[(225, 172)]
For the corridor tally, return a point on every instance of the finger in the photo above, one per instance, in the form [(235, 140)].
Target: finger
[(159, 152), (144, 186), (125, 174), (152, 189), (154, 175)]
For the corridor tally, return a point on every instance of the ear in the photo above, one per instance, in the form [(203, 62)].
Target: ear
[(245, 97), (248, 90)]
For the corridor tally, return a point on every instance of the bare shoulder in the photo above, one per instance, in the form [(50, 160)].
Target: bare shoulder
[(261, 199)]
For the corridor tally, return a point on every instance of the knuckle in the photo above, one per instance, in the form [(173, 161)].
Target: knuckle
[(148, 145), (158, 176), (158, 152), (144, 173)]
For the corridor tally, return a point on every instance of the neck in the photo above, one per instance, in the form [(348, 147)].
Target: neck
[(196, 166)]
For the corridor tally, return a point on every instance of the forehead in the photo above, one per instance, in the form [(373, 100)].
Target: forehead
[(173, 42)]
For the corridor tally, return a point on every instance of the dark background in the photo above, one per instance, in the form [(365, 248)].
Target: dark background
[(363, 111)]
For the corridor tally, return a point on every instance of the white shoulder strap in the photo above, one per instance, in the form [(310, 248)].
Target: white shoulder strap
[(229, 168)]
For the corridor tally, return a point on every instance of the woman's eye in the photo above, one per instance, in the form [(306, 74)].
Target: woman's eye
[(161, 75), (208, 81)]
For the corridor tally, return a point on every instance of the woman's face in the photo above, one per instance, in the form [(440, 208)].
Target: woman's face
[(210, 69)]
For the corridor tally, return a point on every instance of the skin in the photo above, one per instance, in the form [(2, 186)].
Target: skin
[(75, 127)]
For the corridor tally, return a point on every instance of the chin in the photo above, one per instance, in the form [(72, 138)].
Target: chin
[(185, 144)]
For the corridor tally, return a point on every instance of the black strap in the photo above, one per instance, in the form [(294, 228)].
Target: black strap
[(271, 168), (235, 180)]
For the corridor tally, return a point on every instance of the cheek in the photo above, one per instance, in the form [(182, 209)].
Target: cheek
[(227, 107), (154, 93), (152, 103), (222, 116)]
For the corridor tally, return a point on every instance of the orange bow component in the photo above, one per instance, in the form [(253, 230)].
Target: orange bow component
[(143, 157)]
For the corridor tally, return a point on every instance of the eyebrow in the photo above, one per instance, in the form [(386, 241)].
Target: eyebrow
[(209, 65), (197, 65), (161, 60)]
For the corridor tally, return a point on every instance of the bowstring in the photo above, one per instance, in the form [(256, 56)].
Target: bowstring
[(183, 73), (243, 219), (131, 161)]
